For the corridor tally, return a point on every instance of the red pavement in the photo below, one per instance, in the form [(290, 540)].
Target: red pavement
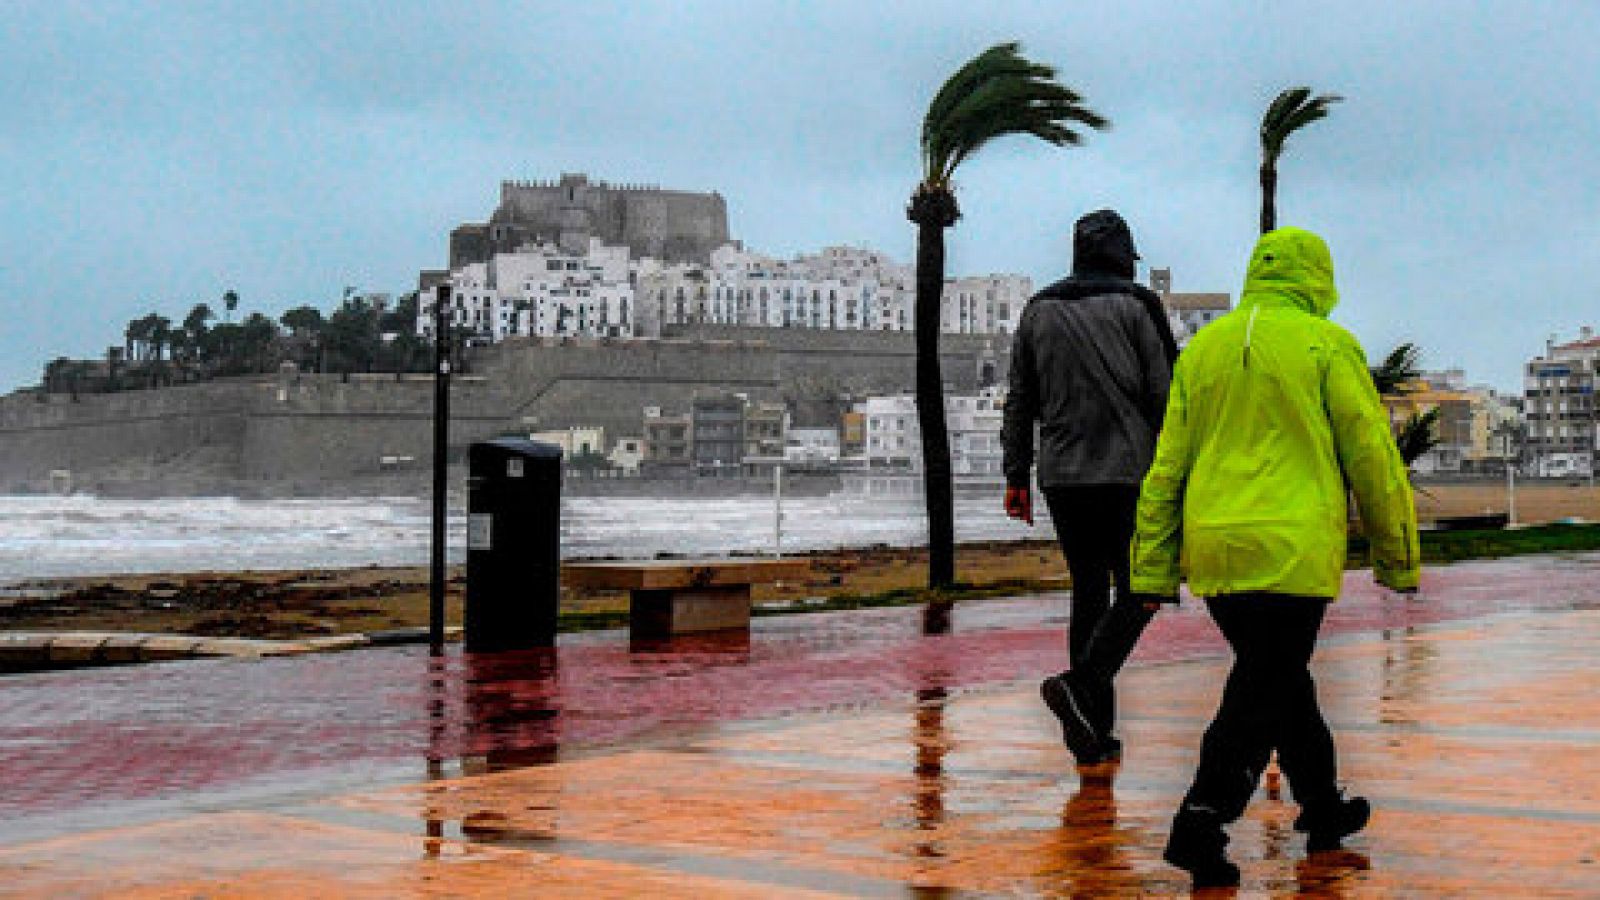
[(178, 733)]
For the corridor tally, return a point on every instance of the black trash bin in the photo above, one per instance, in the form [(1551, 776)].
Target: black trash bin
[(513, 545)]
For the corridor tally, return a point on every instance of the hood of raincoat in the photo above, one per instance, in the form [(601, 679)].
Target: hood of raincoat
[(1102, 244), (1291, 266)]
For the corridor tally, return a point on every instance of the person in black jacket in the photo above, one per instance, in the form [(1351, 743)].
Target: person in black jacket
[(1090, 364)]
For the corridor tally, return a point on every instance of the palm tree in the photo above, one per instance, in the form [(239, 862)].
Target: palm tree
[(1393, 377), (230, 302), (1399, 367), (997, 93), (1293, 109), (1418, 434)]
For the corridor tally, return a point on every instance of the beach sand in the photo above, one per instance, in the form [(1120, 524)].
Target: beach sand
[(303, 603)]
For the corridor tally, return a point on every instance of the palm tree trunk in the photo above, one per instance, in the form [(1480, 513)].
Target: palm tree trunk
[(930, 407), (1269, 197)]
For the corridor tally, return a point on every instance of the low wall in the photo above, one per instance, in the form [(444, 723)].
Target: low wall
[(313, 428)]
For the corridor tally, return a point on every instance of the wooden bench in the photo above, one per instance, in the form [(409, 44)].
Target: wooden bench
[(678, 596)]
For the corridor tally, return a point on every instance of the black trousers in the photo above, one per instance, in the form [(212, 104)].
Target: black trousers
[(1269, 703), (1094, 524)]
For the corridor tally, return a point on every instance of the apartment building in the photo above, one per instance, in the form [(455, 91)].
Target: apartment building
[(1563, 422)]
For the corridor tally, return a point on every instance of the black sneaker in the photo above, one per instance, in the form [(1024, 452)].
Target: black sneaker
[(1069, 702), (1196, 846), (1328, 824)]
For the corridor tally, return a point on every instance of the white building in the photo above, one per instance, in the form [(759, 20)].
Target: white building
[(579, 440), (811, 446), (974, 421), (540, 291), (1188, 313), (626, 456), (1559, 406), (841, 288), (894, 436)]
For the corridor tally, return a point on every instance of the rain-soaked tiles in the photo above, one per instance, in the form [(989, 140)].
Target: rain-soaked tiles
[(115, 745), (1475, 742)]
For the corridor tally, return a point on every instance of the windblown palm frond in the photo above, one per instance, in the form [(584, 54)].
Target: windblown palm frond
[(1418, 435), (997, 93), (1292, 110), (1400, 366)]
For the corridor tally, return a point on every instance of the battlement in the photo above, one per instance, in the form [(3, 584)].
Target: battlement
[(568, 180)]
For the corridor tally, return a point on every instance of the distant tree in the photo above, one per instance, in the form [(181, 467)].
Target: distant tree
[(352, 336), (114, 364), (401, 319), (259, 337), (223, 349), (1290, 111), (997, 93), (588, 463), (230, 302), (306, 325), (302, 320), (406, 352), (194, 330)]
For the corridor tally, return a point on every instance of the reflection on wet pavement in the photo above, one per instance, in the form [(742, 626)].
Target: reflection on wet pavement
[(883, 754)]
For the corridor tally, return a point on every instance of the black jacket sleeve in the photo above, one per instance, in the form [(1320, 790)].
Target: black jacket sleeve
[(1022, 407)]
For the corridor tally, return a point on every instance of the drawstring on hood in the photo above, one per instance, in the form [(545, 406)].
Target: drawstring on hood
[(1248, 329)]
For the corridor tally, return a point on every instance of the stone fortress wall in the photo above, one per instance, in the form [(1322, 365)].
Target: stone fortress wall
[(676, 226), (322, 428)]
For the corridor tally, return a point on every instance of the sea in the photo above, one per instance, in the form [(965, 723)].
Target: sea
[(52, 536)]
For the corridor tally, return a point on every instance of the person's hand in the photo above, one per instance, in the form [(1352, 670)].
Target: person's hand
[(1399, 580), (1019, 504)]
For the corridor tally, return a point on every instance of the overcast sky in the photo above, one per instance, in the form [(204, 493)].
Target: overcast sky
[(154, 155)]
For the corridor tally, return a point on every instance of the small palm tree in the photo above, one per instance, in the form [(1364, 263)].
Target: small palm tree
[(997, 93), (1293, 109), (1398, 368), (1418, 434)]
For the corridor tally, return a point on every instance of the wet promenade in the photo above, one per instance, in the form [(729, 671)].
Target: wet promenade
[(840, 753)]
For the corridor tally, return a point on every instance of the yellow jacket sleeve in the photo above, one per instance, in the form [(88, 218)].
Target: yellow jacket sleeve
[(1158, 532), (1372, 466)]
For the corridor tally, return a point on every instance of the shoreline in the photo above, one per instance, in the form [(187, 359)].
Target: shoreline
[(298, 604), (301, 603)]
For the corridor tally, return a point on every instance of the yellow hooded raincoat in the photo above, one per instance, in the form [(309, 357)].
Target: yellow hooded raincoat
[(1272, 420)]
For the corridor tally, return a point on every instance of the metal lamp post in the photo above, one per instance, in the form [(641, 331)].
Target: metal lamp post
[(441, 449), (1507, 431)]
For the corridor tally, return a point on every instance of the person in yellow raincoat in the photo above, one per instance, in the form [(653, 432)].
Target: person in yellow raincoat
[(1272, 423)]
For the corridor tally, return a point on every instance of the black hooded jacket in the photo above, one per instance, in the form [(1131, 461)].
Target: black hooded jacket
[(1090, 363)]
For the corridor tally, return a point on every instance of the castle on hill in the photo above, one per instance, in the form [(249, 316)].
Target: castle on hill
[(672, 226)]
